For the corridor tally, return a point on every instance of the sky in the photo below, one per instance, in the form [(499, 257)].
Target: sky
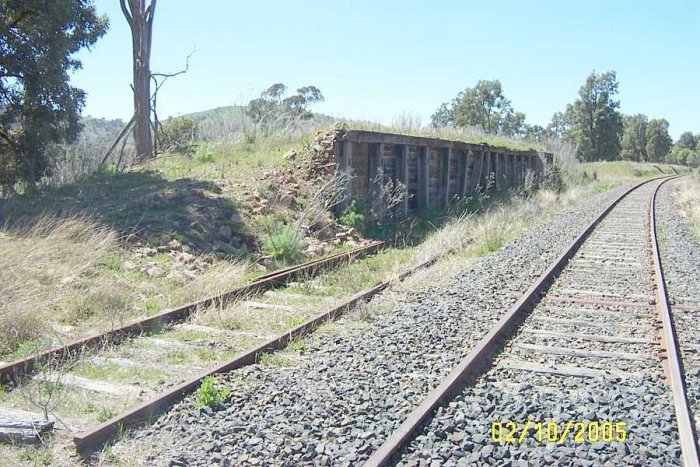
[(380, 59)]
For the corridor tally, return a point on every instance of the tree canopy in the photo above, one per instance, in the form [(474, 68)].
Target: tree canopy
[(273, 110), (658, 140), (595, 124), (634, 139), (38, 106), (484, 106)]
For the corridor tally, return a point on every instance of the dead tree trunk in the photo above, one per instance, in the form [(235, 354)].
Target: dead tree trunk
[(140, 19)]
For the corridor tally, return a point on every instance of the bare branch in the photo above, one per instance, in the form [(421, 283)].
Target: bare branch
[(125, 10)]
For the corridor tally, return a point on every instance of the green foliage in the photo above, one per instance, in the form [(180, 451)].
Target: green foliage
[(205, 155), (209, 395), (352, 216), (687, 141), (36, 456), (483, 106), (284, 244), (658, 140), (179, 135), (594, 122), (492, 242), (272, 111), (633, 146), (39, 41), (105, 414)]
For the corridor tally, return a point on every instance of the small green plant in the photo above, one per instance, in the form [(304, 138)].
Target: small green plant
[(206, 355), (36, 456), (209, 395), (297, 345), (205, 155), (105, 414), (112, 261), (493, 242), (295, 321), (121, 431), (352, 216), (284, 245)]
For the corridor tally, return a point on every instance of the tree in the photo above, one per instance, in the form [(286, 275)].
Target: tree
[(596, 124), (560, 125), (271, 110), (483, 106), (140, 19), (633, 146), (38, 106), (658, 140), (686, 140)]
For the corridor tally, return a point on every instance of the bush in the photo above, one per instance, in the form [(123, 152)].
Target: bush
[(284, 245), (209, 395), (352, 216), (179, 135)]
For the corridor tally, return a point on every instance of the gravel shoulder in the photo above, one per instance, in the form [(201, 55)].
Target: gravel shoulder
[(337, 397)]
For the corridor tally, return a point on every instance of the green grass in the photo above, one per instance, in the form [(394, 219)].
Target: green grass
[(37, 456), (491, 243)]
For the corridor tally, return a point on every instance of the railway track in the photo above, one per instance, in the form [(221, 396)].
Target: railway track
[(142, 352), (583, 367)]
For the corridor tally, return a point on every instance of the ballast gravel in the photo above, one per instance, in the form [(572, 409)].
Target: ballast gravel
[(352, 389)]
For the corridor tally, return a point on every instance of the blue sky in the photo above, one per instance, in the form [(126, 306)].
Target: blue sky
[(378, 59)]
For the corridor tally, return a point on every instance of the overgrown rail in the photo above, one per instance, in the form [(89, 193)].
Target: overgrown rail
[(13, 372)]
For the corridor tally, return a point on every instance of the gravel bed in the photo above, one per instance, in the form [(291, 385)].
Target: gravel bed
[(354, 388), (509, 391), (680, 257), (460, 433)]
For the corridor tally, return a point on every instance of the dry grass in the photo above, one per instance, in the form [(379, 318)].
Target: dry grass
[(39, 263), (62, 278), (481, 234), (688, 199)]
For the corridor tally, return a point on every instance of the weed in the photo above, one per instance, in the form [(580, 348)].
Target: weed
[(112, 261), (284, 245), (177, 356), (105, 414), (209, 395), (206, 355), (492, 242), (36, 456), (121, 431), (352, 216), (295, 321), (297, 345)]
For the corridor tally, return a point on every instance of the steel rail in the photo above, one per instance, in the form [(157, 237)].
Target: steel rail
[(12, 372), (87, 441), (487, 345), (672, 362)]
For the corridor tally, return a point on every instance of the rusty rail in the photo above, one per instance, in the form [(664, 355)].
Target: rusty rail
[(87, 441), (486, 346), (13, 372), (672, 362)]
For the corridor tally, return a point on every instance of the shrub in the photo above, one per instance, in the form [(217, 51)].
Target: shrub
[(352, 216), (284, 245), (209, 395), (179, 135)]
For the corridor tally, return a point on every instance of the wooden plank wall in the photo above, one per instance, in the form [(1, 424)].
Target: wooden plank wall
[(434, 172)]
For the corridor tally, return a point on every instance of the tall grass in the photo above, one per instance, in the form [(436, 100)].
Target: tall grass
[(38, 263), (688, 199)]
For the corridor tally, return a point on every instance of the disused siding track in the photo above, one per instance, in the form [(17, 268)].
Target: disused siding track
[(12, 372), (593, 315)]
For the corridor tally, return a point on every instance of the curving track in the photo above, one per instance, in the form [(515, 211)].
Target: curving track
[(595, 351)]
